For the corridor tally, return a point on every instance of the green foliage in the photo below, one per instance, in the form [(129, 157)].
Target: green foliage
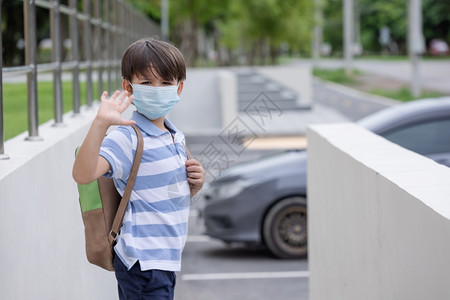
[(332, 27), (393, 14), (377, 14), (151, 8), (251, 28), (254, 26), (436, 19)]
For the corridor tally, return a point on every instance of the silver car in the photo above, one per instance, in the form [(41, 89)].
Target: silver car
[(265, 201)]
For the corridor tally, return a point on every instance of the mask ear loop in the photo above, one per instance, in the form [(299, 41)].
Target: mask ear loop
[(131, 85)]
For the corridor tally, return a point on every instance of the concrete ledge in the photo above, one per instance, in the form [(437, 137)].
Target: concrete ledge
[(378, 218), (43, 256)]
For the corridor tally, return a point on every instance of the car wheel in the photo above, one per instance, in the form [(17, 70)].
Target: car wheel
[(285, 228)]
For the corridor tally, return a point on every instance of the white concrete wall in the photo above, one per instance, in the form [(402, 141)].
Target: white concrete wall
[(378, 218), (209, 98), (199, 109), (296, 77), (42, 254)]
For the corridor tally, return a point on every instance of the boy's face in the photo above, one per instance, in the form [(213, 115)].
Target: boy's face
[(153, 80)]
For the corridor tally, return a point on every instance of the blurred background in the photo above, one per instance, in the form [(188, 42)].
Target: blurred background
[(257, 32), (288, 64)]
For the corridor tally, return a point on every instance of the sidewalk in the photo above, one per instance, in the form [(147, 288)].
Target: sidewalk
[(435, 76)]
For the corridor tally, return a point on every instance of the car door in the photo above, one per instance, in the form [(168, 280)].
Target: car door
[(430, 138)]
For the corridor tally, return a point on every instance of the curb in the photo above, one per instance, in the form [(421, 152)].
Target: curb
[(356, 93)]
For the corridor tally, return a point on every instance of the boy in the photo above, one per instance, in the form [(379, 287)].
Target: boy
[(154, 230)]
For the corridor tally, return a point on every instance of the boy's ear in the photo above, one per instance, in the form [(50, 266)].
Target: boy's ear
[(126, 86), (180, 87)]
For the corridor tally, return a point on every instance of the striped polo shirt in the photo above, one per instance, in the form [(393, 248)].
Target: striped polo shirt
[(155, 224)]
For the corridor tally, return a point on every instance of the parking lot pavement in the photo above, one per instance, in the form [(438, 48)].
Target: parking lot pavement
[(213, 270)]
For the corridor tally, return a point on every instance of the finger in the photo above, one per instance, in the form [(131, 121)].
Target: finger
[(195, 175), (122, 96), (192, 162), (104, 95), (114, 96), (197, 169), (195, 182), (126, 102)]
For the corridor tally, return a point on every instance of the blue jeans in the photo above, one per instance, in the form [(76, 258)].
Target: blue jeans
[(135, 284)]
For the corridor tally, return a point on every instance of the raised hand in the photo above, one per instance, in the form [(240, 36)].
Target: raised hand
[(111, 108)]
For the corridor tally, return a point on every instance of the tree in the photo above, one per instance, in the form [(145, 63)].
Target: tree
[(392, 14), (13, 31), (255, 29), (436, 19), (260, 28)]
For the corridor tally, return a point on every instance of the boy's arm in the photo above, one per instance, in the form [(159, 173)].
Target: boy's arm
[(89, 165)]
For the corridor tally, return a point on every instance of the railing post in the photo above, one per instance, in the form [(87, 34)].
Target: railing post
[(75, 57), (2, 129), (88, 44), (31, 60), (100, 56), (108, 39), (116, 26), (55, 25)]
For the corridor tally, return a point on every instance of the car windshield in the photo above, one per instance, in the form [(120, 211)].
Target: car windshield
[(424, 138)]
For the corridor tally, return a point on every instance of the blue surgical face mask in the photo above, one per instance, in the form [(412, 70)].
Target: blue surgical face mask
[(154, 101)]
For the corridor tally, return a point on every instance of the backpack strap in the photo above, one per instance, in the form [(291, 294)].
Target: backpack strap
[(129, 188), (188, 154)]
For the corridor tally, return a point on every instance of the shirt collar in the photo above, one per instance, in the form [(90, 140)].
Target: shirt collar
[(151, 129)]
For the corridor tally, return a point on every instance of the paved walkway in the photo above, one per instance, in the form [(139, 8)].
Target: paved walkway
[(435, 76)]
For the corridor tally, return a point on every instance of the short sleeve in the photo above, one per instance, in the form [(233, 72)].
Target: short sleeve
[(117, 149)]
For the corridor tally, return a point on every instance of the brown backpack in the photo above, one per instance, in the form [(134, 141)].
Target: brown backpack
[(102, 210)]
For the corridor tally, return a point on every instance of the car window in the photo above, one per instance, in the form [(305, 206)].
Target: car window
[(424, 138)]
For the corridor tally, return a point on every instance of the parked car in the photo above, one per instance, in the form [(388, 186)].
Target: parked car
[(438, 47), (264, 201)]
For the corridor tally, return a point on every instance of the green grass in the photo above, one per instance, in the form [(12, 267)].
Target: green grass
[(337, 75), (15, 104), (383, 57), (404, 94), (399, 57)]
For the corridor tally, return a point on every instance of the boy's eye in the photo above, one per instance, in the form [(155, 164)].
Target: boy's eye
[(167, 83), (146, 82)]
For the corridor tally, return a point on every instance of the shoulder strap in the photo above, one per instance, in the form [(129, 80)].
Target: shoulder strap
[(188, 154), (128, 189)]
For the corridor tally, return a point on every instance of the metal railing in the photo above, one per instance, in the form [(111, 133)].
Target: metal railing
[(107, 28)]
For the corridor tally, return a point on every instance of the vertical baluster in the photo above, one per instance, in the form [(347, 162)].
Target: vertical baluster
[(55, 28), (2, 129), (100, 50), (108, 41), (88, 48), (75, 57), (31, 60)]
